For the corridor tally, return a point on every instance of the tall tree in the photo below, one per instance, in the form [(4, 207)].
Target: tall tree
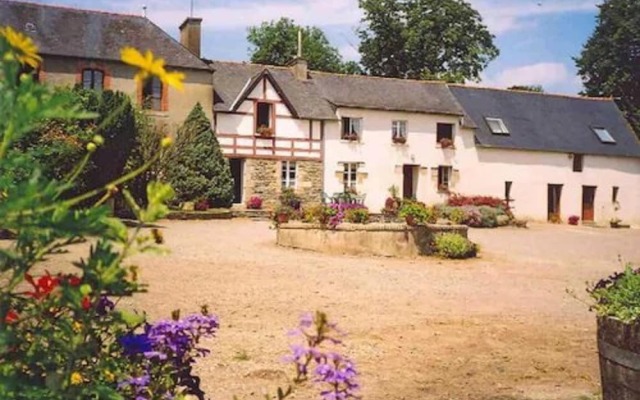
[(424, 39), (610, 61), (276, 43)]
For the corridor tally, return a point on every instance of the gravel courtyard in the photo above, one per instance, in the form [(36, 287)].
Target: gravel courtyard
[(501, 327)]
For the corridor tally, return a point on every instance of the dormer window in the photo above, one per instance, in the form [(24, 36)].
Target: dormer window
[(264, 118), (497, 126), (604, 135), (92, 79)]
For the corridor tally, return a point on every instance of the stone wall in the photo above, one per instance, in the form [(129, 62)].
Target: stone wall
[(390, 240), (263, 178)]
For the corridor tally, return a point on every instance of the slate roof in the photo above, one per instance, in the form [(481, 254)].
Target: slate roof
[(317, 97), (546, 122), (93, 34)]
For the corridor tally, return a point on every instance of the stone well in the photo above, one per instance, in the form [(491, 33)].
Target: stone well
[(380, 239)]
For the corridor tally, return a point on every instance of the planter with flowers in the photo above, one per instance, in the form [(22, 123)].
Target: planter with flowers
[(616, 301), (264, 131), (254, 203), (352, 137), (573, 220), (399, 140), (446, 143)]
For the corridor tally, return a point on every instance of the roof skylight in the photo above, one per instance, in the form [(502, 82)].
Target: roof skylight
[(604, 135), (497, 126)]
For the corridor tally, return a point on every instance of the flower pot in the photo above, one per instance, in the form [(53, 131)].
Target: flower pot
[(619, 351), (411, 220), (282, 218)]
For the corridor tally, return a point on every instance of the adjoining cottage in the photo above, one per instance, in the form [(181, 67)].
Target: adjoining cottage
[(82, 47)]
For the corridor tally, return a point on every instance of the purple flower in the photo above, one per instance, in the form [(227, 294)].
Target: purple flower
[(104, 306), (134, 344)]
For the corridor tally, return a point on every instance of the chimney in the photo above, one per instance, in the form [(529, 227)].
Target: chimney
[(299, 64), (190, 34)]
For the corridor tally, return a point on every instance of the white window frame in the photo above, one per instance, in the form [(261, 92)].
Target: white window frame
[(398, 129), (350, 175), (355, 126), (289, 174), (604, 135), (502, 127), (444, 181)]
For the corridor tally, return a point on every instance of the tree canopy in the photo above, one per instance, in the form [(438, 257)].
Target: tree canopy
[(528, 88), (424, 39), (276, 43), (610, 60)]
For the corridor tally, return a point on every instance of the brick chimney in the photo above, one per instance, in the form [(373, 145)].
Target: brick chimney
[(190, 34)]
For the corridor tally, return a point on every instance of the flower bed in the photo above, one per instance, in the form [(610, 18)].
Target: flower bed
[(381, 239)]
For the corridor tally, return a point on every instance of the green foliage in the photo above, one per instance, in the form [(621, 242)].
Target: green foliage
[(56, 339), (357, 215), (609, 60), (489, 216), (457, 216), (276, 43), (196, 167), (420, 213), (320, 214), (618, 296), (453, 245), (528, 88), (424, 39), (288, 197)]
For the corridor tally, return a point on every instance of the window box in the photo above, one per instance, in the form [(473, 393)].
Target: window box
[(264, 132), (400, 140), (351, 137), (446, 143)]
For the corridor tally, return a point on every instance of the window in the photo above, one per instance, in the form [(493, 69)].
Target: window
[(399, 130), (444, 178), (497, 126), (614, 194), (444, 131), (578, 161), (152, 94), (289, 172), (604, 135), (350, 176), (264, 114), (92, 79), (351, 128)]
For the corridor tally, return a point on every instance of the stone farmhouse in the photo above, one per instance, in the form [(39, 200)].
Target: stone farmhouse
[(550, 156)]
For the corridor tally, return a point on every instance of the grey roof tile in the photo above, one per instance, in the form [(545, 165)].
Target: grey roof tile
[(545, 122), (93, 34)]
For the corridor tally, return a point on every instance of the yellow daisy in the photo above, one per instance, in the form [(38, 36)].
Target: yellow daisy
[(149, 66), (25, 51), (76, 378)]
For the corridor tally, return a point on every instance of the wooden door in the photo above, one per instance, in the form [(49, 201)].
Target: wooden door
[(588, 203), (554, 194), (408, 191), (236, 165)]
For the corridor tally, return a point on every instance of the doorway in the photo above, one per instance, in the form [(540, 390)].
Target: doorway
[(409, 181), (237, 167), (554, 194), (588, 203)]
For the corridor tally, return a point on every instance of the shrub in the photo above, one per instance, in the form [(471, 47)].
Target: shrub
[(472, 217), (254, 203), (357, 215), (460, 200), (288, 197), (618, 296), (457, 216), (418, 211), (573, 220), (196, 167), (453, 245), (488, 217), (320, 214)]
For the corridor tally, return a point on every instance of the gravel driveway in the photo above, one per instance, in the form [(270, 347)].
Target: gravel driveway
[(500, 327)]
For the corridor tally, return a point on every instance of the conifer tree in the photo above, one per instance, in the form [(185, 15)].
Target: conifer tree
[(196, 167)]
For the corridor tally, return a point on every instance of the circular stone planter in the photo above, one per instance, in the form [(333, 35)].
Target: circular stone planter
[(619, 349), (379, 239)]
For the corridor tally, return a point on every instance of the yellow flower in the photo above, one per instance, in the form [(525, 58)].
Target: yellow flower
[(109, 376), (148, 66), (77, 326), (76, 378), (25, 51)]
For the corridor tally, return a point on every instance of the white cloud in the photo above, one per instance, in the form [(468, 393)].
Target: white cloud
[(554, 77)]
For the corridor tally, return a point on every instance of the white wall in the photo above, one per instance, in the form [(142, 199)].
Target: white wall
[(383, 160), (478, 171)]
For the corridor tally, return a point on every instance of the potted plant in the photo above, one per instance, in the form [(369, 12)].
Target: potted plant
[(254, 203), (288, 197), (264, 131), (616, 301), (282, 214), (615, 222), (399, 140), (446, 143), (414, 213), (201, 205), (352, 137), (573, 220)]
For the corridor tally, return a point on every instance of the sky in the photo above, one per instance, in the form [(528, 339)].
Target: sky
[(537, 38)]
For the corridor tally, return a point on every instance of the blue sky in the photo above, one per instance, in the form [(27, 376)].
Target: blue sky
[(537, 38)]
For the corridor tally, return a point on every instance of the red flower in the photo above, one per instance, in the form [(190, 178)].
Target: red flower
[(11, 317), (73, 280), (86, 303), (43, 286)]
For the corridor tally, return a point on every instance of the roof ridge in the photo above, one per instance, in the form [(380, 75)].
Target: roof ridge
[(388, 78), (567, 96), (70, 8)]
